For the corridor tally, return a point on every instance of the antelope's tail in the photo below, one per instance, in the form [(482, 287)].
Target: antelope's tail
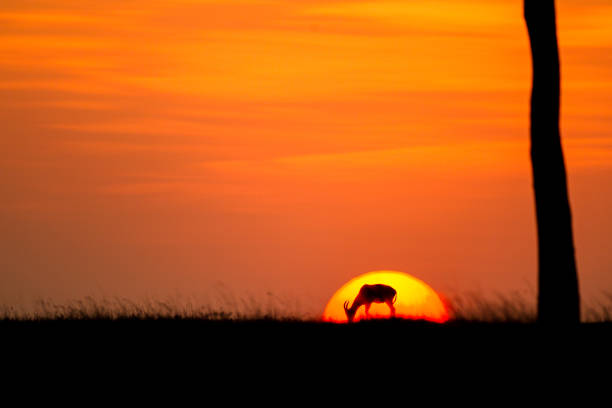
[(394, 297)]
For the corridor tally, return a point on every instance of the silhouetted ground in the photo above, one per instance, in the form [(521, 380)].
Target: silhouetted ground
[(128, 342), (269, 341), (289, 360)]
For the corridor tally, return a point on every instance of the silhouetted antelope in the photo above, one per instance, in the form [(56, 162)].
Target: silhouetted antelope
[(369, 294)]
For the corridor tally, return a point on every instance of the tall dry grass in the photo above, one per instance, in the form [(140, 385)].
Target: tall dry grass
[(520, 307), (223, 306), (514, 307), (599, 310)]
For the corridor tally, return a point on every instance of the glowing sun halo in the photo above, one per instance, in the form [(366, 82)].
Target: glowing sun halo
[(415, 299)]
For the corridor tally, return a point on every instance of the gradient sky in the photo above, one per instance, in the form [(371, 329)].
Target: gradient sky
[(158, 147)]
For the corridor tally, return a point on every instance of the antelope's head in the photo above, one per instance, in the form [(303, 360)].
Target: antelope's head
[(350, 312)]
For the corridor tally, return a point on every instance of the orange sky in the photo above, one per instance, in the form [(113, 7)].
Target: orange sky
[(163, 146)]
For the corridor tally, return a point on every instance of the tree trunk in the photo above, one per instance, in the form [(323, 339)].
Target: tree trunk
[(558, 296)]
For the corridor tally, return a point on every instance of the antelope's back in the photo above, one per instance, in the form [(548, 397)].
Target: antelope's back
[(378, 292)]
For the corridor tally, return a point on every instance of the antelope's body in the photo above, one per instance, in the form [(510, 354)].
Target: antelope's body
[(369, 294)]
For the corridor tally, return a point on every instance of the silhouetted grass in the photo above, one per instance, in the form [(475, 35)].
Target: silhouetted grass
[(224, 307), (599, 310), (520, 307), (515, 307), (495, 332), (471, 308)]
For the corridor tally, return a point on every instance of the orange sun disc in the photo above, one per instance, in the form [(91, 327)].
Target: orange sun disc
[(415, 299)]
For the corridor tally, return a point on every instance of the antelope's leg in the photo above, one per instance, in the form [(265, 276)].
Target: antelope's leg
[(391, 307), (367, 310)]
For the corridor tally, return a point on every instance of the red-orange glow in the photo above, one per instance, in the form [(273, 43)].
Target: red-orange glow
[(415, 299), (276, 146)]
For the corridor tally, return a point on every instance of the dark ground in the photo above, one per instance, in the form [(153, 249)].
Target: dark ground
[(144, 357), (277, 340), (176, 362)]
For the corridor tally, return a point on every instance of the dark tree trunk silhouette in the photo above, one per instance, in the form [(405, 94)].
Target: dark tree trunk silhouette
[(558, 297)]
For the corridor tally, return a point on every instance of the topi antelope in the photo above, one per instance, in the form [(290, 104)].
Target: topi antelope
[(369, 294)]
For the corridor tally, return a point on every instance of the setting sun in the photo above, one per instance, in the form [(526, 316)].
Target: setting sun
[(415, 299)]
